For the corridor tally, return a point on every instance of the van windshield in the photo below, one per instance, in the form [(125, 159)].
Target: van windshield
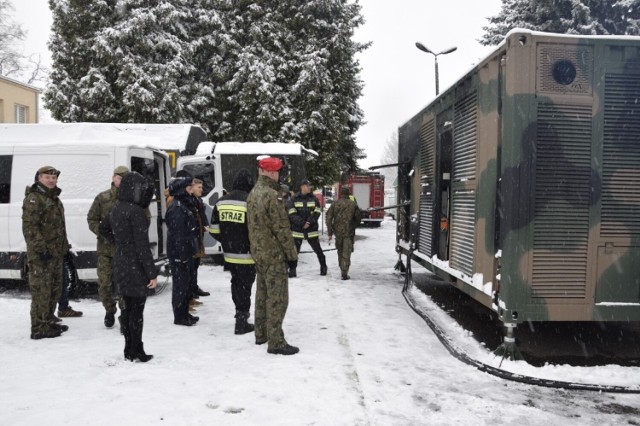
[(291, 174)]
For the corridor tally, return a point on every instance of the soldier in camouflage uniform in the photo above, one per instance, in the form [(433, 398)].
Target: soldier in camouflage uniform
[(98, 213), (45, 233), (271, 247), (342, 219)]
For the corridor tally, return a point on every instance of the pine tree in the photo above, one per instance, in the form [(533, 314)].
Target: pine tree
[(82, 74), (587, 17), (274, 70)]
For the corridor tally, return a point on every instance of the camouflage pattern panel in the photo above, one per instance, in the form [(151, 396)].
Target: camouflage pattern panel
[(529, 168), (43, 224), (268, 223), (571, 166)]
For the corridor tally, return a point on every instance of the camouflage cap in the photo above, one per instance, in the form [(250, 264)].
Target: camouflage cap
[(120, 170), (48, 170)]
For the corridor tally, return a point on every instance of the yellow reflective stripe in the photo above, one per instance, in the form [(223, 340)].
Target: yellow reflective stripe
[(297, 234), (317, 210), (214, 229), (313, 234), (298, 204), (239, 258), (293, 211), (229, 207), (239, 261)]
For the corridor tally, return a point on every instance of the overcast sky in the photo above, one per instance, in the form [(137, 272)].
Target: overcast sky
[(399, 79)]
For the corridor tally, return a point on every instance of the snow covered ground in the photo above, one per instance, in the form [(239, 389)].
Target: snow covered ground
[(365, 359)]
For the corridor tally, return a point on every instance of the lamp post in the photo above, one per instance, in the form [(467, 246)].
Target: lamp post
[(435, 56)]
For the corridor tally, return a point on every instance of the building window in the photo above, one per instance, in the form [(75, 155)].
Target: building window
[(22, 113)]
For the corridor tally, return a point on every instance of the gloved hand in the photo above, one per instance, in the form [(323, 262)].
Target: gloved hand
[(44, 257)]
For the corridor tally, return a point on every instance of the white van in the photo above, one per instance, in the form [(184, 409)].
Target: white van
[(217, 163), (86, 154)]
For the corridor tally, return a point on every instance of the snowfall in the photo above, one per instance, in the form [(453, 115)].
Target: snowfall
[(366, 358)]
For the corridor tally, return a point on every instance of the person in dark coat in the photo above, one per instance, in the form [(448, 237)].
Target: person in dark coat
[(134, 271), (229, 226), (195, 190), (182, 245)]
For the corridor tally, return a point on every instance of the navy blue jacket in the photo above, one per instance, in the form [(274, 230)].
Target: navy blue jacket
[(182, 224)]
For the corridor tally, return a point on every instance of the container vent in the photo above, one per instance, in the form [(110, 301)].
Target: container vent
[(465, 136), (463, 201), (463, 230), (562, 200), (565, 69), (621, 157), (427, 166)]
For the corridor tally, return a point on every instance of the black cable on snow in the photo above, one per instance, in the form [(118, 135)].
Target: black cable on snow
[(503, 374)]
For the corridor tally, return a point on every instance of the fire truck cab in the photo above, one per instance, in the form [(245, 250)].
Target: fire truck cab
[(368, 191)]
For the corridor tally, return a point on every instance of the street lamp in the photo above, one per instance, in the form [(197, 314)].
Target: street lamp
[(435, 56)]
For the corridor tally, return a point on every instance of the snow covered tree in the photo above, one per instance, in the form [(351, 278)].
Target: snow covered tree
[(292, 76), (589, 17), (83, 71), (13, 63), (274, 70)]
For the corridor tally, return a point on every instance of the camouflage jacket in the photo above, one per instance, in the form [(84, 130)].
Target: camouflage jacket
[(97, 213), (269, 229), (43, 224), (343, 217)]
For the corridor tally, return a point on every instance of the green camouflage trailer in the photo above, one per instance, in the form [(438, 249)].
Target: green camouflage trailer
[(524, 180)]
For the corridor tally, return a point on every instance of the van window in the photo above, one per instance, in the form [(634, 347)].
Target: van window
[(5, 178), (204, 172), (148, 168)]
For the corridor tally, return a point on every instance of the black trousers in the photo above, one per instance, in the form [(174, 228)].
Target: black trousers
[(242, 278), (181, 274), (315, 245), (194, 276), (132, 323)]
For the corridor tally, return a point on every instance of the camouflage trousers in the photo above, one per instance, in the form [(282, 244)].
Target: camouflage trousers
[(105, 283), (45, 284), (272, 299), (344, 245)]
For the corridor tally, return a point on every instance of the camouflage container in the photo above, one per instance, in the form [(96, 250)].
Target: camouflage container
[(526, 179)]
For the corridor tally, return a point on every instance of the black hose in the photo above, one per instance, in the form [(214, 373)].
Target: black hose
[(461, 356)]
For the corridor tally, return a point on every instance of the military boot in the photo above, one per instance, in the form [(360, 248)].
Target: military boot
[(46, 334), (110, 318), (242, 325), (292, 269), (287, 349)]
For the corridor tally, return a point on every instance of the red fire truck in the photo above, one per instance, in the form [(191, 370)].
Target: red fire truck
[(368, 190)]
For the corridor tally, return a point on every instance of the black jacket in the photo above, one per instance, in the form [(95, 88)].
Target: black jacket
[(229, 221), (128, 227), (302, 209), (183, 229)]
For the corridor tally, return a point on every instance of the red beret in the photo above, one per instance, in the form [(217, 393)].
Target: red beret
[(270, 164)]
